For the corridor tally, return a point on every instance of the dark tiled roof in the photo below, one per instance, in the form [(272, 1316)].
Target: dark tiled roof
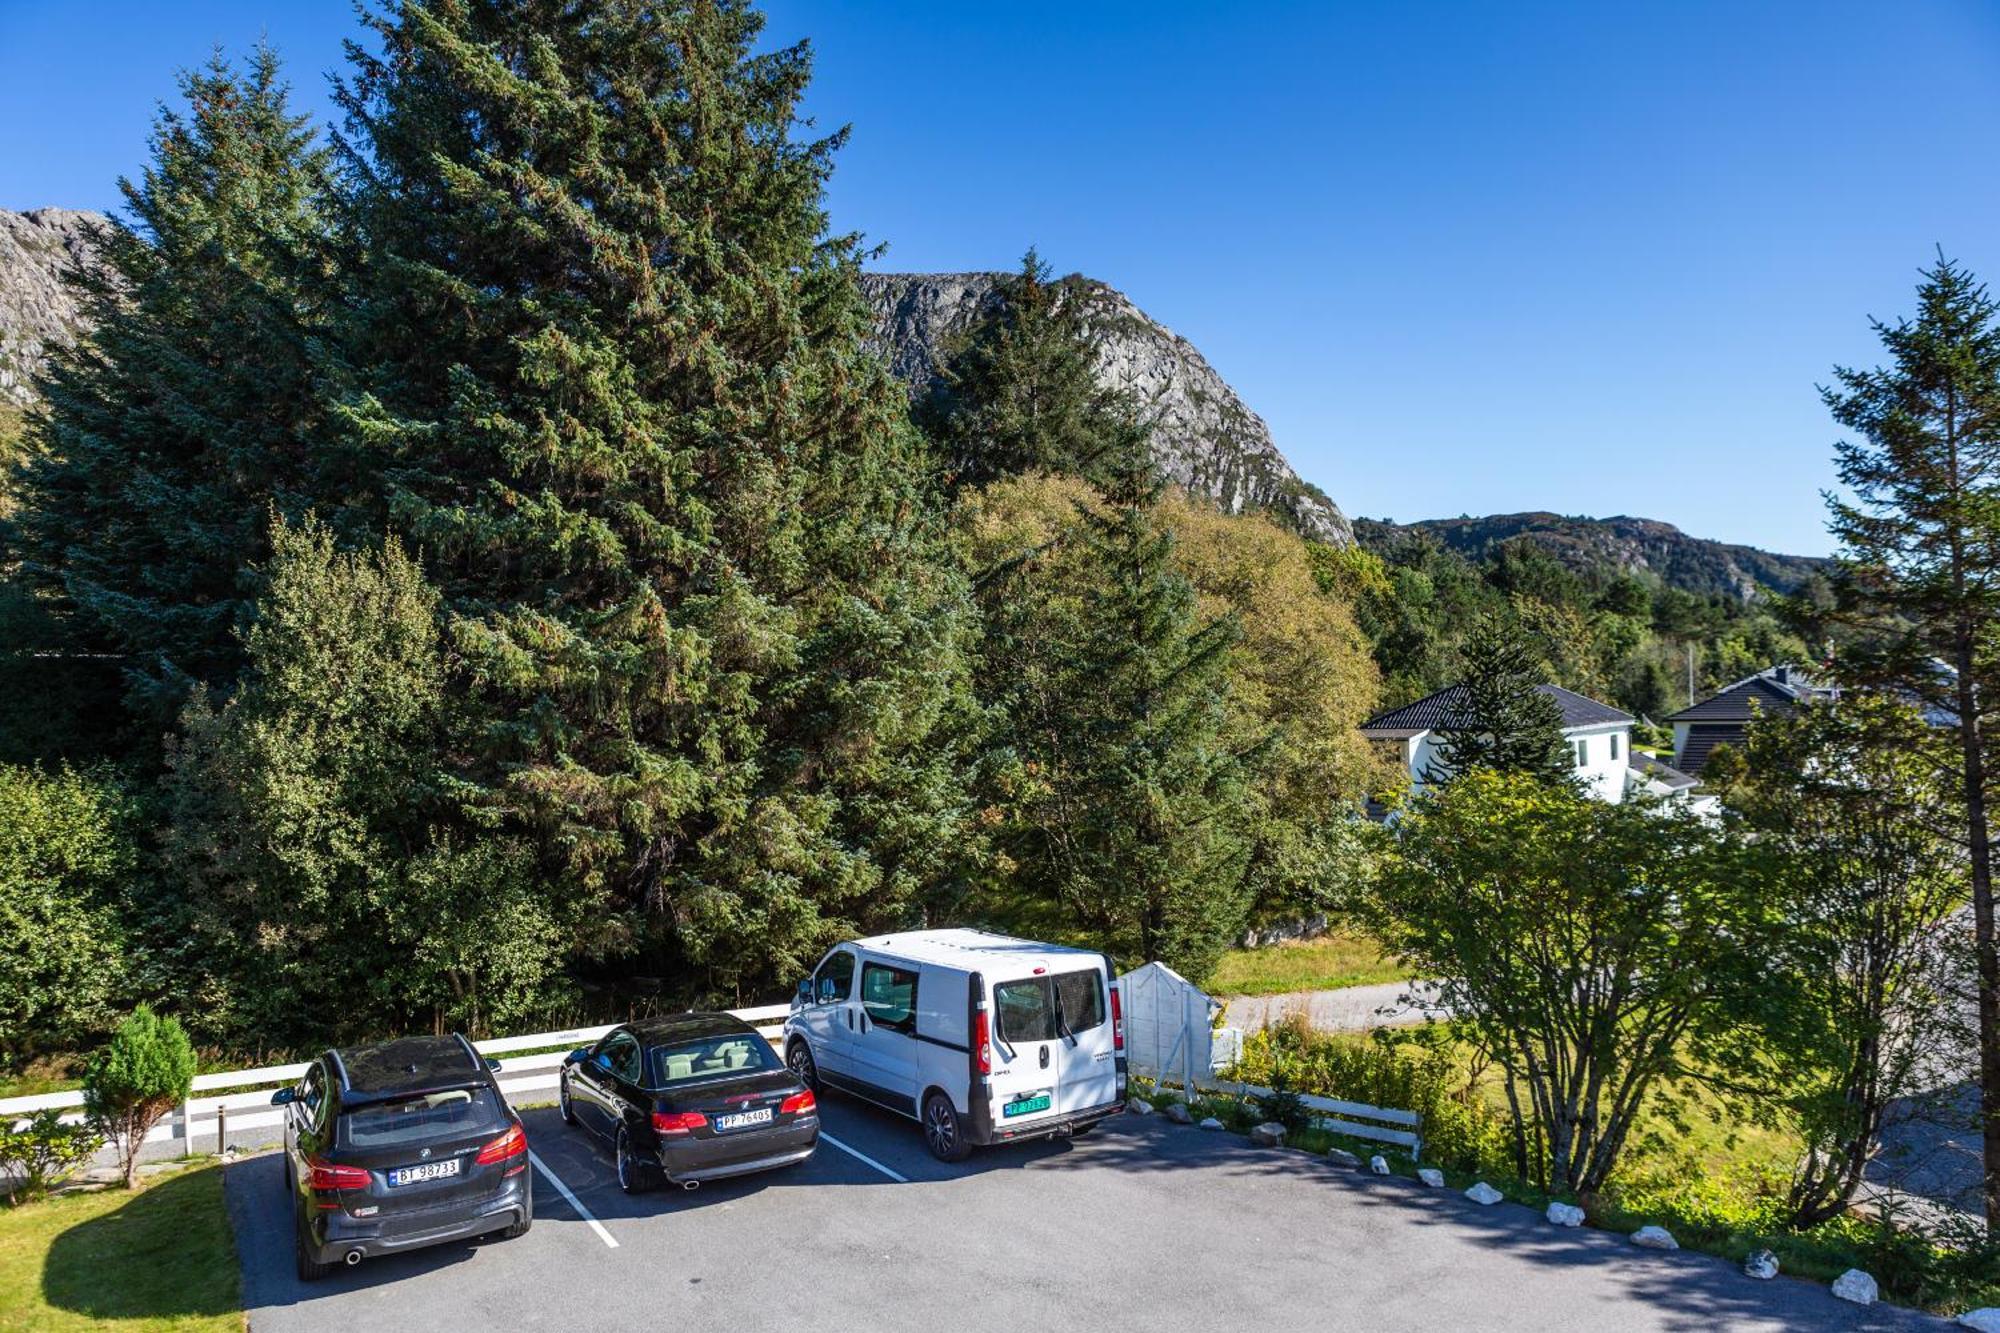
[(1742, 701), (1442, 709), (1702, 738), (1659, 772)]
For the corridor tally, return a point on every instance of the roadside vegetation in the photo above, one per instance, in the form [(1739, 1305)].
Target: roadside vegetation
[(1341, 957)]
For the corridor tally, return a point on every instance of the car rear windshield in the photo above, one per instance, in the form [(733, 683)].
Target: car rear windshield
[(1043, 1008), (712, 1057), (422, 1118)]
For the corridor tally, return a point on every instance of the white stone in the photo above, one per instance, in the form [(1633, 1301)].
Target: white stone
[(1211, 1123), (1431, 1176), (1985, 1320), (1342, 1157), (1763, 1265), (1564, 1214), (1379, 1165), (1655, 1238), (1855, 1285), (1483, 1193), (1270, 1134), (1178, 1113), (1139, 1106)]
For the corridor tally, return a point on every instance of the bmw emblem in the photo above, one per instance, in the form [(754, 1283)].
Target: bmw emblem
[(425, 1153)]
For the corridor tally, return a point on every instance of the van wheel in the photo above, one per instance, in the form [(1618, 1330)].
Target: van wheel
[(633, 1177), (942, 1133), (800, 1060), (309, 1268)]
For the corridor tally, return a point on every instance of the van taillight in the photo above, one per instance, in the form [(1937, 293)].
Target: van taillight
[(511, 1144), (1117, 1022), (678, 1122), (982, 1042), (326, 1177)]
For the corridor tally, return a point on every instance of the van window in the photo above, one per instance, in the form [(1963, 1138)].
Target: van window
[(834, 981), (889, 996), (1043, 1008)]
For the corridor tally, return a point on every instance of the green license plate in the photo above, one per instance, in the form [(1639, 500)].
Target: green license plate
[(1027, 1105)]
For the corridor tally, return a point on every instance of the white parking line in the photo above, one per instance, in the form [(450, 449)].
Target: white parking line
[(574, 1202), (825, 1137)]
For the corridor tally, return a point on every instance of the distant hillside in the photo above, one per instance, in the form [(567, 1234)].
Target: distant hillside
[(1641, 546)]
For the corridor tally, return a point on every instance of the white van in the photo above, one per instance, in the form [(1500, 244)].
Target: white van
[(981, 1038)]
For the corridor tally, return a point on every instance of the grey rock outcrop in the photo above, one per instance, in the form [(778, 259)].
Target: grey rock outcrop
[(37, 310), (1204, 437)]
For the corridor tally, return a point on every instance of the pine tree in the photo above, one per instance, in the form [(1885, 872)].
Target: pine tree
[(1126, 811), (1501, 720), (170, 433), (1019, 391), (619, 397), (1919, 573)]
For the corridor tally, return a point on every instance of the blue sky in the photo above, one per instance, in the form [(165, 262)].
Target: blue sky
[(1463, 258)]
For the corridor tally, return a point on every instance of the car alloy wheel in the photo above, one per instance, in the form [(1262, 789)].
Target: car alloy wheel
[(802, 1065), (941, 1133), (631, 1175), (562, 1101)]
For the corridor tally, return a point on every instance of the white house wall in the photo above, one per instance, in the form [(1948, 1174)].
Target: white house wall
[(1602, 775)]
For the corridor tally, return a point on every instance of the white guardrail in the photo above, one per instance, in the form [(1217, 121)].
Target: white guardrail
[(205, 1121)]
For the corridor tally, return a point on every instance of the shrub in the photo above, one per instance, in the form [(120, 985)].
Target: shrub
[(146, 1071), (1284, 1105), (42, 1152)]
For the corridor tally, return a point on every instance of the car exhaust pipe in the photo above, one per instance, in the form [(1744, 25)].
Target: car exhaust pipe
[(353, 1258), (690, 1185)]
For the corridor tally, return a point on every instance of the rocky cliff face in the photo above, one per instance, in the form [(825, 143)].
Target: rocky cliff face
[(36, 309), (1204, 437)]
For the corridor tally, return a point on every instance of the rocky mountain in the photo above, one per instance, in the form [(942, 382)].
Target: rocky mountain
[(36, 309), (1641, 546), (1204, 436)]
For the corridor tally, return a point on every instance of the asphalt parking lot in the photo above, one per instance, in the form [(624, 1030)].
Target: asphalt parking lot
[(1144, 1223)]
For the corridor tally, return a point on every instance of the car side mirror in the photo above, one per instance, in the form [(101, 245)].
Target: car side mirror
[(577, 1056), (493, 1063), (284, 1096)]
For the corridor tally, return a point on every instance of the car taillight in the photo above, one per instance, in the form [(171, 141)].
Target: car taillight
[(982, 1042), (798, 1104), (678, 1122), (511, 1144), (326, 1177), (1117, 1022)]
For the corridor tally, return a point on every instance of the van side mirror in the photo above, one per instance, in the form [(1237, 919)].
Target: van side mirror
[(806, 991), (284, 1096)]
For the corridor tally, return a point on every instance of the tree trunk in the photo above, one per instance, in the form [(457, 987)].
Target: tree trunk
[(1984, 954)]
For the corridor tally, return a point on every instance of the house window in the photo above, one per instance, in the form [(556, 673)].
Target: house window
[(1614, 746), (1582, 752)]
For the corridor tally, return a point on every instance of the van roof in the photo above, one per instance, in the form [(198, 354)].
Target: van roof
[(967, 949)]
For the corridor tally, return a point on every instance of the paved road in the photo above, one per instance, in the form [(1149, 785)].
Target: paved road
[(1144, 1224), (1349, 1009)]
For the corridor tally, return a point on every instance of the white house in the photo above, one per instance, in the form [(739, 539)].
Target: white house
[(1599, 736)]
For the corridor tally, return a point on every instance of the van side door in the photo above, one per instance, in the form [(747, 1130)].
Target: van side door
[(829, 1022), (885, 1038)]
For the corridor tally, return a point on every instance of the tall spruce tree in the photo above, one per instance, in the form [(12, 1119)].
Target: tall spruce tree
[(1501, 721), (1019, 391), (618, 394), (1919, 570), (191, 410), (1127, 815)]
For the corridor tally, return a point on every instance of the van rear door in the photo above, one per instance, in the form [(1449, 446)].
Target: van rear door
[(1052, 1053)]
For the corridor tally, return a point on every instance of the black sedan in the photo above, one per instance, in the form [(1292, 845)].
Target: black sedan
[(400, 1145), (690, 1098)]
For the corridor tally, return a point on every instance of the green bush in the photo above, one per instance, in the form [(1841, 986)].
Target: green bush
[(1459, 1130), (42, 1152), (146, 1070)]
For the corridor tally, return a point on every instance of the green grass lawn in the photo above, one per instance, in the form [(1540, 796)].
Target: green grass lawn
[(157, 1258), (1335, 959)]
